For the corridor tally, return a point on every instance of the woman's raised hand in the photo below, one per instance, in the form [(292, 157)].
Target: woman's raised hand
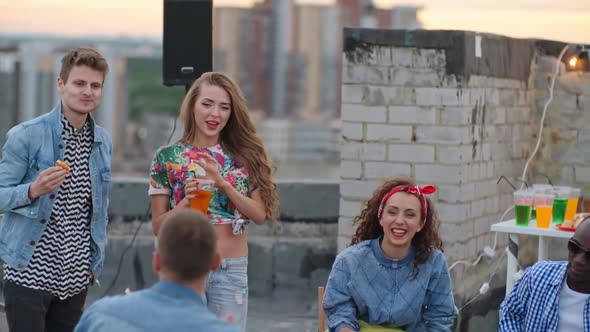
[(211, 166)]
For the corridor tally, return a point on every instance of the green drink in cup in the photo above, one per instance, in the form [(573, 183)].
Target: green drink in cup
[(560, 204), (523, 201)]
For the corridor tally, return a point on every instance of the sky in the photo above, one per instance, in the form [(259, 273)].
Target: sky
[(567, 21)]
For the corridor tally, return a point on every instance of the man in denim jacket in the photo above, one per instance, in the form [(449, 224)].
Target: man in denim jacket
[(53, 234)]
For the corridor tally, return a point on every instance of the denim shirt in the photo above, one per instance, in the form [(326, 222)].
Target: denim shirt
[(367, 285), (533, 304), (30, 148), (164, 307)]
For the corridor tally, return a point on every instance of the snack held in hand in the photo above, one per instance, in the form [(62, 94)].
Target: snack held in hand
[(63, 165), (577, 220)]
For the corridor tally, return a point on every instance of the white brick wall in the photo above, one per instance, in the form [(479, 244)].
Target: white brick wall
[(387, 133), (365, 74), (402, 114), (441, 97), (352, 131), (406, 114), (582, 174), (362, 113), (439, 174), (411, 153), (351, 169), (345, 227), (356, 190), (443, 135), (380, 170), (354, 94), (455, 154), (350, 209), (402, 76), (360, 151), (456, 115)]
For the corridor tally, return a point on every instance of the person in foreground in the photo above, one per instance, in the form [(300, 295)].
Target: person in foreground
[(54, 186), (186, 253), (553, 296), (219, 144), (394, 274)]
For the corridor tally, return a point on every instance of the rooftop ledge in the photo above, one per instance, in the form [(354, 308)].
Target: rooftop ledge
[(501, 56)]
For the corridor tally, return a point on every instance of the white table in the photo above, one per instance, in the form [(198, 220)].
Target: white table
[(513, 230)]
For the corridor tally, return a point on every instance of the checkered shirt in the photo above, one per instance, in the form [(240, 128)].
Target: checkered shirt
[(533, 304)]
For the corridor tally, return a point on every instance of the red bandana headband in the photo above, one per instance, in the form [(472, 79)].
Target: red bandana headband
[(416, 190)]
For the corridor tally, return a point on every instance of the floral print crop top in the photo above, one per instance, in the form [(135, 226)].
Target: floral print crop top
[(173, 164)]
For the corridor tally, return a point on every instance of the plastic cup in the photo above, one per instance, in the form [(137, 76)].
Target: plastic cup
[(560, 203), (541, 187), (544, 207), (201, 202), (572, 203), (523, 200)]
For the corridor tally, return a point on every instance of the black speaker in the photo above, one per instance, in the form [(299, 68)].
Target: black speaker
[(187, 40)]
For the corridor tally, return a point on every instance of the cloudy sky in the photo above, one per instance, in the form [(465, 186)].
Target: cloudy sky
[(548, 19)]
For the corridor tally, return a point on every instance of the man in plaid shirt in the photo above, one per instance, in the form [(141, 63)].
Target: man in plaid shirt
[(553, 296)]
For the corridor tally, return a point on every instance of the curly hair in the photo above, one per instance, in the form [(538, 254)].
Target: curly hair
[(368, 227)]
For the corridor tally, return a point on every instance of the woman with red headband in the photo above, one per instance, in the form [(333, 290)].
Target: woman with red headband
[(394, 274)]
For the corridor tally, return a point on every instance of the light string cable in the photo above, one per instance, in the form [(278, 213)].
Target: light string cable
[(524, 184), (549, 100)]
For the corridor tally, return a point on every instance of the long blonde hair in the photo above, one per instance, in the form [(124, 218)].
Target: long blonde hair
[(238, 138)]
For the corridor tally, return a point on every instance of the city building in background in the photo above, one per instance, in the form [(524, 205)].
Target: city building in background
[(286, 57)]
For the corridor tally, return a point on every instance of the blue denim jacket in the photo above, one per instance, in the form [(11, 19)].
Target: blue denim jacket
[(164, 307), (30, 148), (367, 285)]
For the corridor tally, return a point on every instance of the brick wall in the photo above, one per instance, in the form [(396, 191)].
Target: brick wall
[(404, 115), (565, 153), (414, 109)]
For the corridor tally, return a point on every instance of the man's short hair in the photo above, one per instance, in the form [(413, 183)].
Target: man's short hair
[(187, 245), (83, 57)]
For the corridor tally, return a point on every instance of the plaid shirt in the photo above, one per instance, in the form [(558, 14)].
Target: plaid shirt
[(533, 304)]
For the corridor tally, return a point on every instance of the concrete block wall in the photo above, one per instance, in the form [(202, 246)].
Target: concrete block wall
[(403, 114), (411, 108), (295, 255), (564, 155)]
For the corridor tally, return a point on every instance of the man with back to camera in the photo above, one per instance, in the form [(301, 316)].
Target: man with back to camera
[(53, 235), (185, 254), (553, 296)]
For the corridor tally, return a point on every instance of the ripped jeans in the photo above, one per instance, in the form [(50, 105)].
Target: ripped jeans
[(227, 291)]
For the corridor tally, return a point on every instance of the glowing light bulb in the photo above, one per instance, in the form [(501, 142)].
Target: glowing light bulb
[(573, 61)]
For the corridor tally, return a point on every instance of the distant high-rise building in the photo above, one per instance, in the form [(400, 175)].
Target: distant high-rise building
[(240, 42), (317, 39), (280, 43), (405, 17)]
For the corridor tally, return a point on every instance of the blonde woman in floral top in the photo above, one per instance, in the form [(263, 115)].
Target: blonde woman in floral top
[(219, 143)]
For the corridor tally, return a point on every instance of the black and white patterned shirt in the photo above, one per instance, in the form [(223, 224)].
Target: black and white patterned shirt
[(61, 260)]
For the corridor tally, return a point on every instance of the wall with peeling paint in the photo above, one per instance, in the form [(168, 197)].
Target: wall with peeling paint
[(429, 105)]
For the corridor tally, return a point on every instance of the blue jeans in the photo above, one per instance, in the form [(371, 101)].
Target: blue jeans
[(227, 291)]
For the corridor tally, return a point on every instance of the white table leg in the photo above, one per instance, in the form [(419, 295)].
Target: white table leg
[(543, 249), (511, 266)]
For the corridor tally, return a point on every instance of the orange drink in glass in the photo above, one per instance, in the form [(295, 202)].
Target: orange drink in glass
[(572, 203), (544, 215), (204, 193), (544, 208)]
